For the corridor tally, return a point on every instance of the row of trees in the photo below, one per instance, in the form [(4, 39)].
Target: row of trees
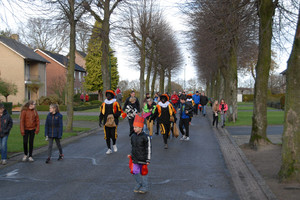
[(141, 24), (232, 34)]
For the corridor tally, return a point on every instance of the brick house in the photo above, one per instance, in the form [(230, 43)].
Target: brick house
[(57, 73), (80, 58), (20, 65)]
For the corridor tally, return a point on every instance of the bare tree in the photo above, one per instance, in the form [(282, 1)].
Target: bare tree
[(44, 34)]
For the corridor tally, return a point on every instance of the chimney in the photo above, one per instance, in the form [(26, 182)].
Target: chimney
[(15, 37)]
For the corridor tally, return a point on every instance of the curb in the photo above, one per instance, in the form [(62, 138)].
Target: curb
[(17, 157), (248, 183)]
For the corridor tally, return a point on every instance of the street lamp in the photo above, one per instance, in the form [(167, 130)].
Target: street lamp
[(109, 54)]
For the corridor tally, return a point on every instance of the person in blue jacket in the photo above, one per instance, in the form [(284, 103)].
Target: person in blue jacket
[(54, 130), (196, 98)]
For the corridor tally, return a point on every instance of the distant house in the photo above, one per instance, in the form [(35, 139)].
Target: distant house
[(20, 65), (80, 58), (57, 73)]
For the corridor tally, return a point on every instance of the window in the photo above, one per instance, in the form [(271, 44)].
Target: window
[(79, 76)]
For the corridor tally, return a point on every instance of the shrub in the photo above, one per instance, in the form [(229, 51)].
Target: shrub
[(95, 102), (46, 108), (93, 97), (282, 102), (50, 100), (8, 106), (248, 97), (126, 94)]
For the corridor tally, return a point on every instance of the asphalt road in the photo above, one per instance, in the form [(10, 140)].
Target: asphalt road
[(192, 169)]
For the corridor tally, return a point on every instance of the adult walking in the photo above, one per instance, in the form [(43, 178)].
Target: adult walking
[(203, 102), (196, 98), (223, 108), (175, 100), (29, 126), (110, 112), (54, 130), (6, 124), (164, 110)]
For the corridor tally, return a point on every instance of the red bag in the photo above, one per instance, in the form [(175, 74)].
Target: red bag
[(144, 170), (130, 165)]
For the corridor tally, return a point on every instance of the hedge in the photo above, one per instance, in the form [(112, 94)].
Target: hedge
[(64, 108), (8, 106)]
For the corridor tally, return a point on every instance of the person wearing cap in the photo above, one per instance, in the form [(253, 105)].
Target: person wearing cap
[(196, 98), (6, 124), (140, 155), (110, 112), (165, 113)]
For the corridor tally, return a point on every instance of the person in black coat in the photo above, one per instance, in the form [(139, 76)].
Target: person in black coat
[(203, 102), (185, 113), (140, 155), (6, 124)]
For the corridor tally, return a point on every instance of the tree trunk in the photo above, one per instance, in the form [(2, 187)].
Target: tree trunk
[(169, 82), (71, 68), (231, 84), (291, 143), (105, 49), (266, 9), (162, 80), (142, 70), (153, 80), (149, 68)]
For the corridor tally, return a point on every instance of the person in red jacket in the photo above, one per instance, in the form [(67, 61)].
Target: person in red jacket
[(175, 100), (29, 126), (86, 98), (223, 108)]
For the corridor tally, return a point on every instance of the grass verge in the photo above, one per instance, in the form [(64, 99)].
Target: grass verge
[(15, 139)]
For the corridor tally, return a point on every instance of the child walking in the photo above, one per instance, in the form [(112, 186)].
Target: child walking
[(223, 107), (29, 126), (54, 130), (186, 112), (215, 110), (140, 155)]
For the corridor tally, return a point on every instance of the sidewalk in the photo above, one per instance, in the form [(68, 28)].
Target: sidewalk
[(247, 181)]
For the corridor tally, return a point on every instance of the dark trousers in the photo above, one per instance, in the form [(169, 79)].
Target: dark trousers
[(130, 121), (51, 144), (196, 109), (29, 134), (185, 123), (215, 119), (110, 134), (165, 131)]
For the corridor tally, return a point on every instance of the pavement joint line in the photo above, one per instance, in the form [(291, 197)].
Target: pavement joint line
[(248, 182)]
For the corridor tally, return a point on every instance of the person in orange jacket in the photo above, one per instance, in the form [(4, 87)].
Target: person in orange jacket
[(29, 126)]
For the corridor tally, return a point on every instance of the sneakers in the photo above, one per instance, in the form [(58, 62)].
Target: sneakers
[(60, 157), (48, 161), (108, 151), (183, 137), (115, 148), (187, 138), (4, 162), (30, 159), (24, 159), (166, 146)]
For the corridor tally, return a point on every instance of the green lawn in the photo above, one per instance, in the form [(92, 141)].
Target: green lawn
[(15, 139), (245, 118)]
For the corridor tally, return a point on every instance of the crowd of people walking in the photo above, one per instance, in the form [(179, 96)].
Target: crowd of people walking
[(160, 110)]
